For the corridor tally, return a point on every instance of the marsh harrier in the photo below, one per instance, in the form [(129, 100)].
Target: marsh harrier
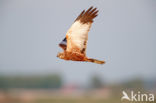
[(75, 43)]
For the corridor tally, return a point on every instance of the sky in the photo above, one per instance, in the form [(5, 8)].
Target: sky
[(123, 34)]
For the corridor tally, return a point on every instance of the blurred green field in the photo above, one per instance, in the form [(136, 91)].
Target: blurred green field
[(61, 96), (50, 89)]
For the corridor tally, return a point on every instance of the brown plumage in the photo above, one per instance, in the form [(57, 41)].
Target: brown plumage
[(75, 42), (87, 16)]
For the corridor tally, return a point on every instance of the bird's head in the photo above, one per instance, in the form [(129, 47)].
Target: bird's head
[(60, 55)]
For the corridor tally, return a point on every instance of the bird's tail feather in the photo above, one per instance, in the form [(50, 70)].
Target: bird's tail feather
[(95, 61)]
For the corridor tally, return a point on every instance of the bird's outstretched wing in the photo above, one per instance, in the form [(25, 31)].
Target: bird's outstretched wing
[(77, 35)]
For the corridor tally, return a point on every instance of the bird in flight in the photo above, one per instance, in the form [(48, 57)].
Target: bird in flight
[(75, 43)]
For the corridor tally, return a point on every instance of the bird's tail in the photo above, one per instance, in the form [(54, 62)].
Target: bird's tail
[(95, 61)]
